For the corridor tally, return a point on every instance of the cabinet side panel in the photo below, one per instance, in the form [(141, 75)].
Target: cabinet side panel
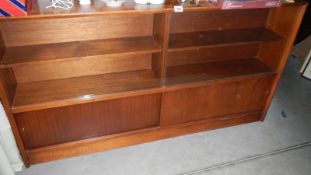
[(7, 92), (60, 125), (7, 76), (56, 30), (215, 99), (284, 21)]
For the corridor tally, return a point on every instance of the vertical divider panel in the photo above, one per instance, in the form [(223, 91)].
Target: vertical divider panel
[(284, 21), (161, 34)]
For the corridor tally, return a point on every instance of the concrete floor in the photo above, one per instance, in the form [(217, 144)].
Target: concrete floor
[(288, 123)]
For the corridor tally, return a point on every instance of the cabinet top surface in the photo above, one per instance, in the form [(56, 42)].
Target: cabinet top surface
[(98, 7)]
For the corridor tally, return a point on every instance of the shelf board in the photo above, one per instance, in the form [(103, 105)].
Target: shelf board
[(59, 51), (188, 74), (194, 40), (62, 92), (39, 10)]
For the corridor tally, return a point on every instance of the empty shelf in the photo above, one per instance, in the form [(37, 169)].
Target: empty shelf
[(61, 92)]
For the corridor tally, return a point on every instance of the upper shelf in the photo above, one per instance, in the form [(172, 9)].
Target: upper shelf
[(98, 7), (181, 41), (35, 53)]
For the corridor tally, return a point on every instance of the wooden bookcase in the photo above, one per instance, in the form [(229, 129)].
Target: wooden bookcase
[(96, 78)]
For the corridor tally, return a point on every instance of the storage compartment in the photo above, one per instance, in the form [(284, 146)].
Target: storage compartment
[(74, 60), (59, 125), (217, 45), (216, 99)]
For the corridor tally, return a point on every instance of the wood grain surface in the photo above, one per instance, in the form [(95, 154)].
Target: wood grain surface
[(60, 125), (96, 78)]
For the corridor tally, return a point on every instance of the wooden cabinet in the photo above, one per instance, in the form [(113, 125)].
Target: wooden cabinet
[(96, 78)]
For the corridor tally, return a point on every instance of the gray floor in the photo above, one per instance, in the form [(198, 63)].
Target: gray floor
[(288, 123)]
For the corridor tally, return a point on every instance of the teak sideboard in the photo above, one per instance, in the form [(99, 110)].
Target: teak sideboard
[(95, 78)]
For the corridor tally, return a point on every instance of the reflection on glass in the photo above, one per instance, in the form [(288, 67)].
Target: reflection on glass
[(86, 97)]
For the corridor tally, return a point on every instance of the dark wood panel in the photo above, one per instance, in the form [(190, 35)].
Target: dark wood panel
[(60, 125), (54, 30), (215, 99), (187, 74), (211, 54), (63, 92), (84, 66), (212, 38), (61, 151), (36, 53), (218, 20)]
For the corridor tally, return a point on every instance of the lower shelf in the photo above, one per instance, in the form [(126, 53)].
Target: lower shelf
[(186, 74), (60, 92)]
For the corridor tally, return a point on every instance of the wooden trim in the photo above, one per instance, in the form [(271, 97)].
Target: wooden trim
[(131, 138)]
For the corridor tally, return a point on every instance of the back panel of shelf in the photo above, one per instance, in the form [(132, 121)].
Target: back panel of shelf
[(68, 29)]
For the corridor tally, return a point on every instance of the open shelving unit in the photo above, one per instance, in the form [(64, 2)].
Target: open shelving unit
[(72, 71), (199, 53), (97, 78)]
